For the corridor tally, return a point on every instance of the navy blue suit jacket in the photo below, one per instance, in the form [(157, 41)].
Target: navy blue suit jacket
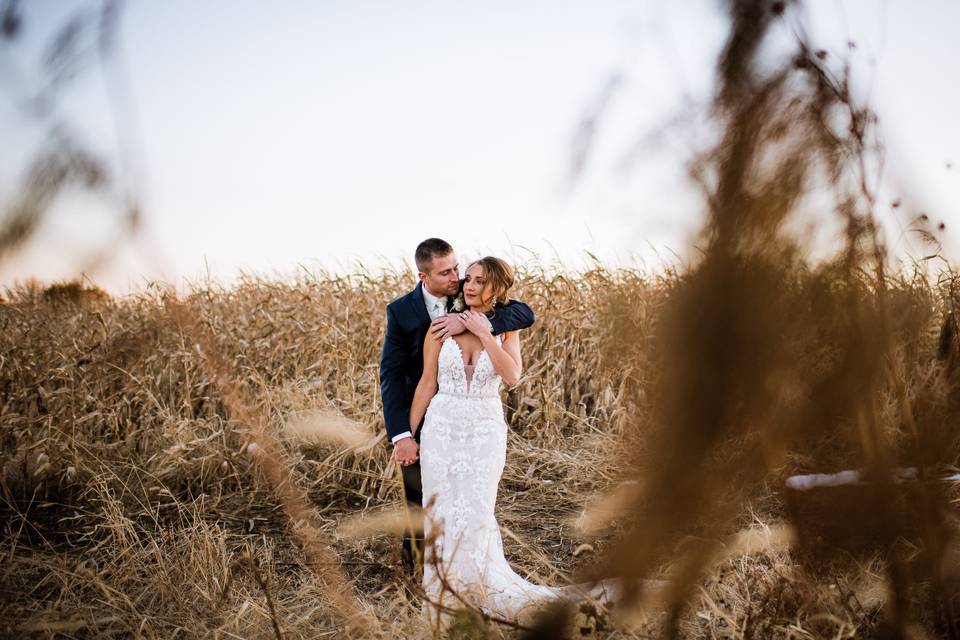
[(401, 361)]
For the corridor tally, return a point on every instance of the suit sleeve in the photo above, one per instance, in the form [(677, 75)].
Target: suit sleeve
[(391, 378), (512, 316)]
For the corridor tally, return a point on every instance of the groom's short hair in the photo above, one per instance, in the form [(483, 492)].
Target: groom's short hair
[(428, 250)]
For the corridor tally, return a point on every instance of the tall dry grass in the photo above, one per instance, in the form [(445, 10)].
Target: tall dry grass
[(771, 362), (214, 465), (131, 499), (126, 459)]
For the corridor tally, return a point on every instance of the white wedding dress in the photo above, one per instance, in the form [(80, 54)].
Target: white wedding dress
[(462, 454)]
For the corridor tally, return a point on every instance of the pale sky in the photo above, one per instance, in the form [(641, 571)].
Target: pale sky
[(272, 135)]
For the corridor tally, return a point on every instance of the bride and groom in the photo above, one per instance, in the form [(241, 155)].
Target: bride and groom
[(440, 375)]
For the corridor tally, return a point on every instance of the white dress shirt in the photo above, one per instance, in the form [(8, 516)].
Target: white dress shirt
[(436, 307)]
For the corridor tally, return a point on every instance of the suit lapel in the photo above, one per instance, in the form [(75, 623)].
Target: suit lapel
[(420, 305)]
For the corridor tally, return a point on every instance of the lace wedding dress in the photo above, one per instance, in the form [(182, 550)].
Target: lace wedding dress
[(462, 454)]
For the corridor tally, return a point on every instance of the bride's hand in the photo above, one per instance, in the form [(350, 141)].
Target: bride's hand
[(476, 323)]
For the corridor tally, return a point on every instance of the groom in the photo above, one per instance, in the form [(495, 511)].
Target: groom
[(409, 319)]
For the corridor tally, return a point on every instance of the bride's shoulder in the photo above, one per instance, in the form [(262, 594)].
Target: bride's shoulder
[(510, 341)]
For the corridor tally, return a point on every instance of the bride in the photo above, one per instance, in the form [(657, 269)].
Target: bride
[(462, 454)]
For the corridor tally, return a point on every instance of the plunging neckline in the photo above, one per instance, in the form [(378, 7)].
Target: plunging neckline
[(464, 365)]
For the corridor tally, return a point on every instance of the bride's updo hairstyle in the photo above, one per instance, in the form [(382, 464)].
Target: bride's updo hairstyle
[(499, 276)]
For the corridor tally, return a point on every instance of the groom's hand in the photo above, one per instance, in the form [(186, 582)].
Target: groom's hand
[(406, 451), (476, 323), (448, 325)]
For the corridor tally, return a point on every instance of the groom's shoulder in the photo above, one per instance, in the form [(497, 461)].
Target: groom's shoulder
[(403, 301)]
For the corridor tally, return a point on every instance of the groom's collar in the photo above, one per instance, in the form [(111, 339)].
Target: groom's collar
[(431, 299)]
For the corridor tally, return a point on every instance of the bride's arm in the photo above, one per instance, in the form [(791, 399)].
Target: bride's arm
[(427, 387), (506, 359)]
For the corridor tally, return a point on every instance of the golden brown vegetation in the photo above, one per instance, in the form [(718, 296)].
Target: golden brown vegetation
[(215, 465), (122, 456), (132, 503)]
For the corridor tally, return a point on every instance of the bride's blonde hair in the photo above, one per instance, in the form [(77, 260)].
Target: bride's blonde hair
[(499, 276)]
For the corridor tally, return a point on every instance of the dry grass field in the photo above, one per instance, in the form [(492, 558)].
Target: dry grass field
[(133, 503), (213, 463), (130, 493)]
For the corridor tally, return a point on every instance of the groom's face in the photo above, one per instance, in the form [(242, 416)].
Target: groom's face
[(443, 278)]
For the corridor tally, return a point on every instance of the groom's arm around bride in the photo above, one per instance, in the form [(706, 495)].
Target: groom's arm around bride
[(401, 361)]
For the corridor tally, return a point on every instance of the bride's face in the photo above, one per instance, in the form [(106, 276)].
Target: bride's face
[(477, 292)]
